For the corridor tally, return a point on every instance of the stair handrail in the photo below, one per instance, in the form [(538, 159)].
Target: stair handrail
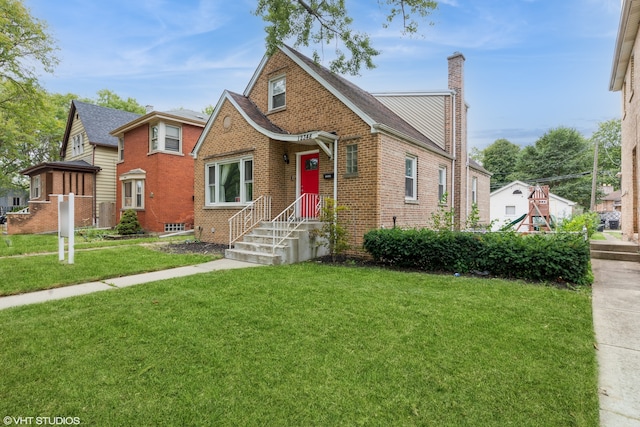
[(246, 219), (291, 218)]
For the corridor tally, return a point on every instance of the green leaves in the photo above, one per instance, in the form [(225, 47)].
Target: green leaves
[(541, 257), (328, 22)]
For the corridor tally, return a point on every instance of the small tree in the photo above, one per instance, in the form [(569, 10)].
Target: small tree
[(129, 223), (333, 230), (443, 219)]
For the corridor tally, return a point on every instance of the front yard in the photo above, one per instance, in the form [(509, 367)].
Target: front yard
[(306, 344)]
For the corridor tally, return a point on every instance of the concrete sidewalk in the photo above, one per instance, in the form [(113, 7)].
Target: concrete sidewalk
[(616, 318), (119, 282)]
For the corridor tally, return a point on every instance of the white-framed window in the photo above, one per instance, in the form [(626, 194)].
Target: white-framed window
[(121, 149), (510, 210), (229, 181), (133, 194), (35, 187), (474, 189), (410, 177), (77, 147), (16, 201), (442, 183), (352, 159), (165, 137), (277, 92)]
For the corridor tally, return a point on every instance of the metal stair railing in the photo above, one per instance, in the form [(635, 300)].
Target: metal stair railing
[(244, 221), (304, 208)]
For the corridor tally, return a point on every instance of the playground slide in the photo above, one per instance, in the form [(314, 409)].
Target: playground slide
[(512, 223)]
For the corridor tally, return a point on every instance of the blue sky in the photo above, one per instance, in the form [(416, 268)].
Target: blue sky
[(531, 65)]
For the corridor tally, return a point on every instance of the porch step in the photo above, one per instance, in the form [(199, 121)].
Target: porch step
[(256, 246), (253, 257), (616, 251)]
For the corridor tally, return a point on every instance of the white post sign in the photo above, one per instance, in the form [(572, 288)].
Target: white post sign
[(66, 215)]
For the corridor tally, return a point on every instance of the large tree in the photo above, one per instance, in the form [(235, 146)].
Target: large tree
[(31, 131), (609, 139), (499, 158), (25, 50), (110, 99), (25, 46), (561, 158), (328, 22)]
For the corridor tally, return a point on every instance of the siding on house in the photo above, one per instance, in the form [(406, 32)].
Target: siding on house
[(424, 111), (105, 157), (516, 196)]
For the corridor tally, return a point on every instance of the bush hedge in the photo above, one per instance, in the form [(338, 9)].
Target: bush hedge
[(560, 257)]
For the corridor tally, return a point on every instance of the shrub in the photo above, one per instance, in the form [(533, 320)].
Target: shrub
[(129, 223), (333, 230), (576, 223), (540, 257)]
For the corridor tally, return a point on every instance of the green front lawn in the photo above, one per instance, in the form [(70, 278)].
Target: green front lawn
[(20, 244), (32, 273), (306, 345)]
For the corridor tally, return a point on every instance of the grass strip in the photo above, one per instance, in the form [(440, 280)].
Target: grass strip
[(306, 345), (27, 274), (21, 244)]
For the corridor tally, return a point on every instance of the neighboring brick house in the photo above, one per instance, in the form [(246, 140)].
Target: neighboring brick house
[(155, 169), (48, 180), (87, 138), (624, 78), (301, 129)]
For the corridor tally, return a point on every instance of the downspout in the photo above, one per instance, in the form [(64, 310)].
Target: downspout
[(95, 188), (453, 160), (335, 174)]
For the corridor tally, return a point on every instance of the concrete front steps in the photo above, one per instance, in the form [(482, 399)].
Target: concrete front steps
[(256, 246), (617, 251)]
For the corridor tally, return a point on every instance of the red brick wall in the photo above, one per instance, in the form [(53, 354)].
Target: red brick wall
[(372, 197), (168, 187), (43, 216)]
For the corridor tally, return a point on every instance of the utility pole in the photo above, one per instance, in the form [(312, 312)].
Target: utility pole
[(594, 176)]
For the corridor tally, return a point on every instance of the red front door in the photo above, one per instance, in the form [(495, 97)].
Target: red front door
[(309, 183)]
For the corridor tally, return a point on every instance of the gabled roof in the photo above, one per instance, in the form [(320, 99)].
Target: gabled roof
[(252, 114), (520, 184), (627, 32), (362, 103), (477, 166), (182, 116), (67, 166), (97, 122)]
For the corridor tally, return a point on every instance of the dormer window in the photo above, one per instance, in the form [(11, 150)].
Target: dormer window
[(277, 93), (165, 137)]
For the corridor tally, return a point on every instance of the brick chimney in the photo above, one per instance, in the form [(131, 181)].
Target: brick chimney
[(460, 171)]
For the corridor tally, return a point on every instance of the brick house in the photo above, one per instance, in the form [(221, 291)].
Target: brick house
[(155, 170), (48, 180), (300, 133), (623, 79)]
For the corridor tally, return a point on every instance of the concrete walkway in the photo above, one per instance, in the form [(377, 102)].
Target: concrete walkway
[(616, 318), (119, 282)]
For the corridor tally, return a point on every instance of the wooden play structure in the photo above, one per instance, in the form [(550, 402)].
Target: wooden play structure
[(538, 217)]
